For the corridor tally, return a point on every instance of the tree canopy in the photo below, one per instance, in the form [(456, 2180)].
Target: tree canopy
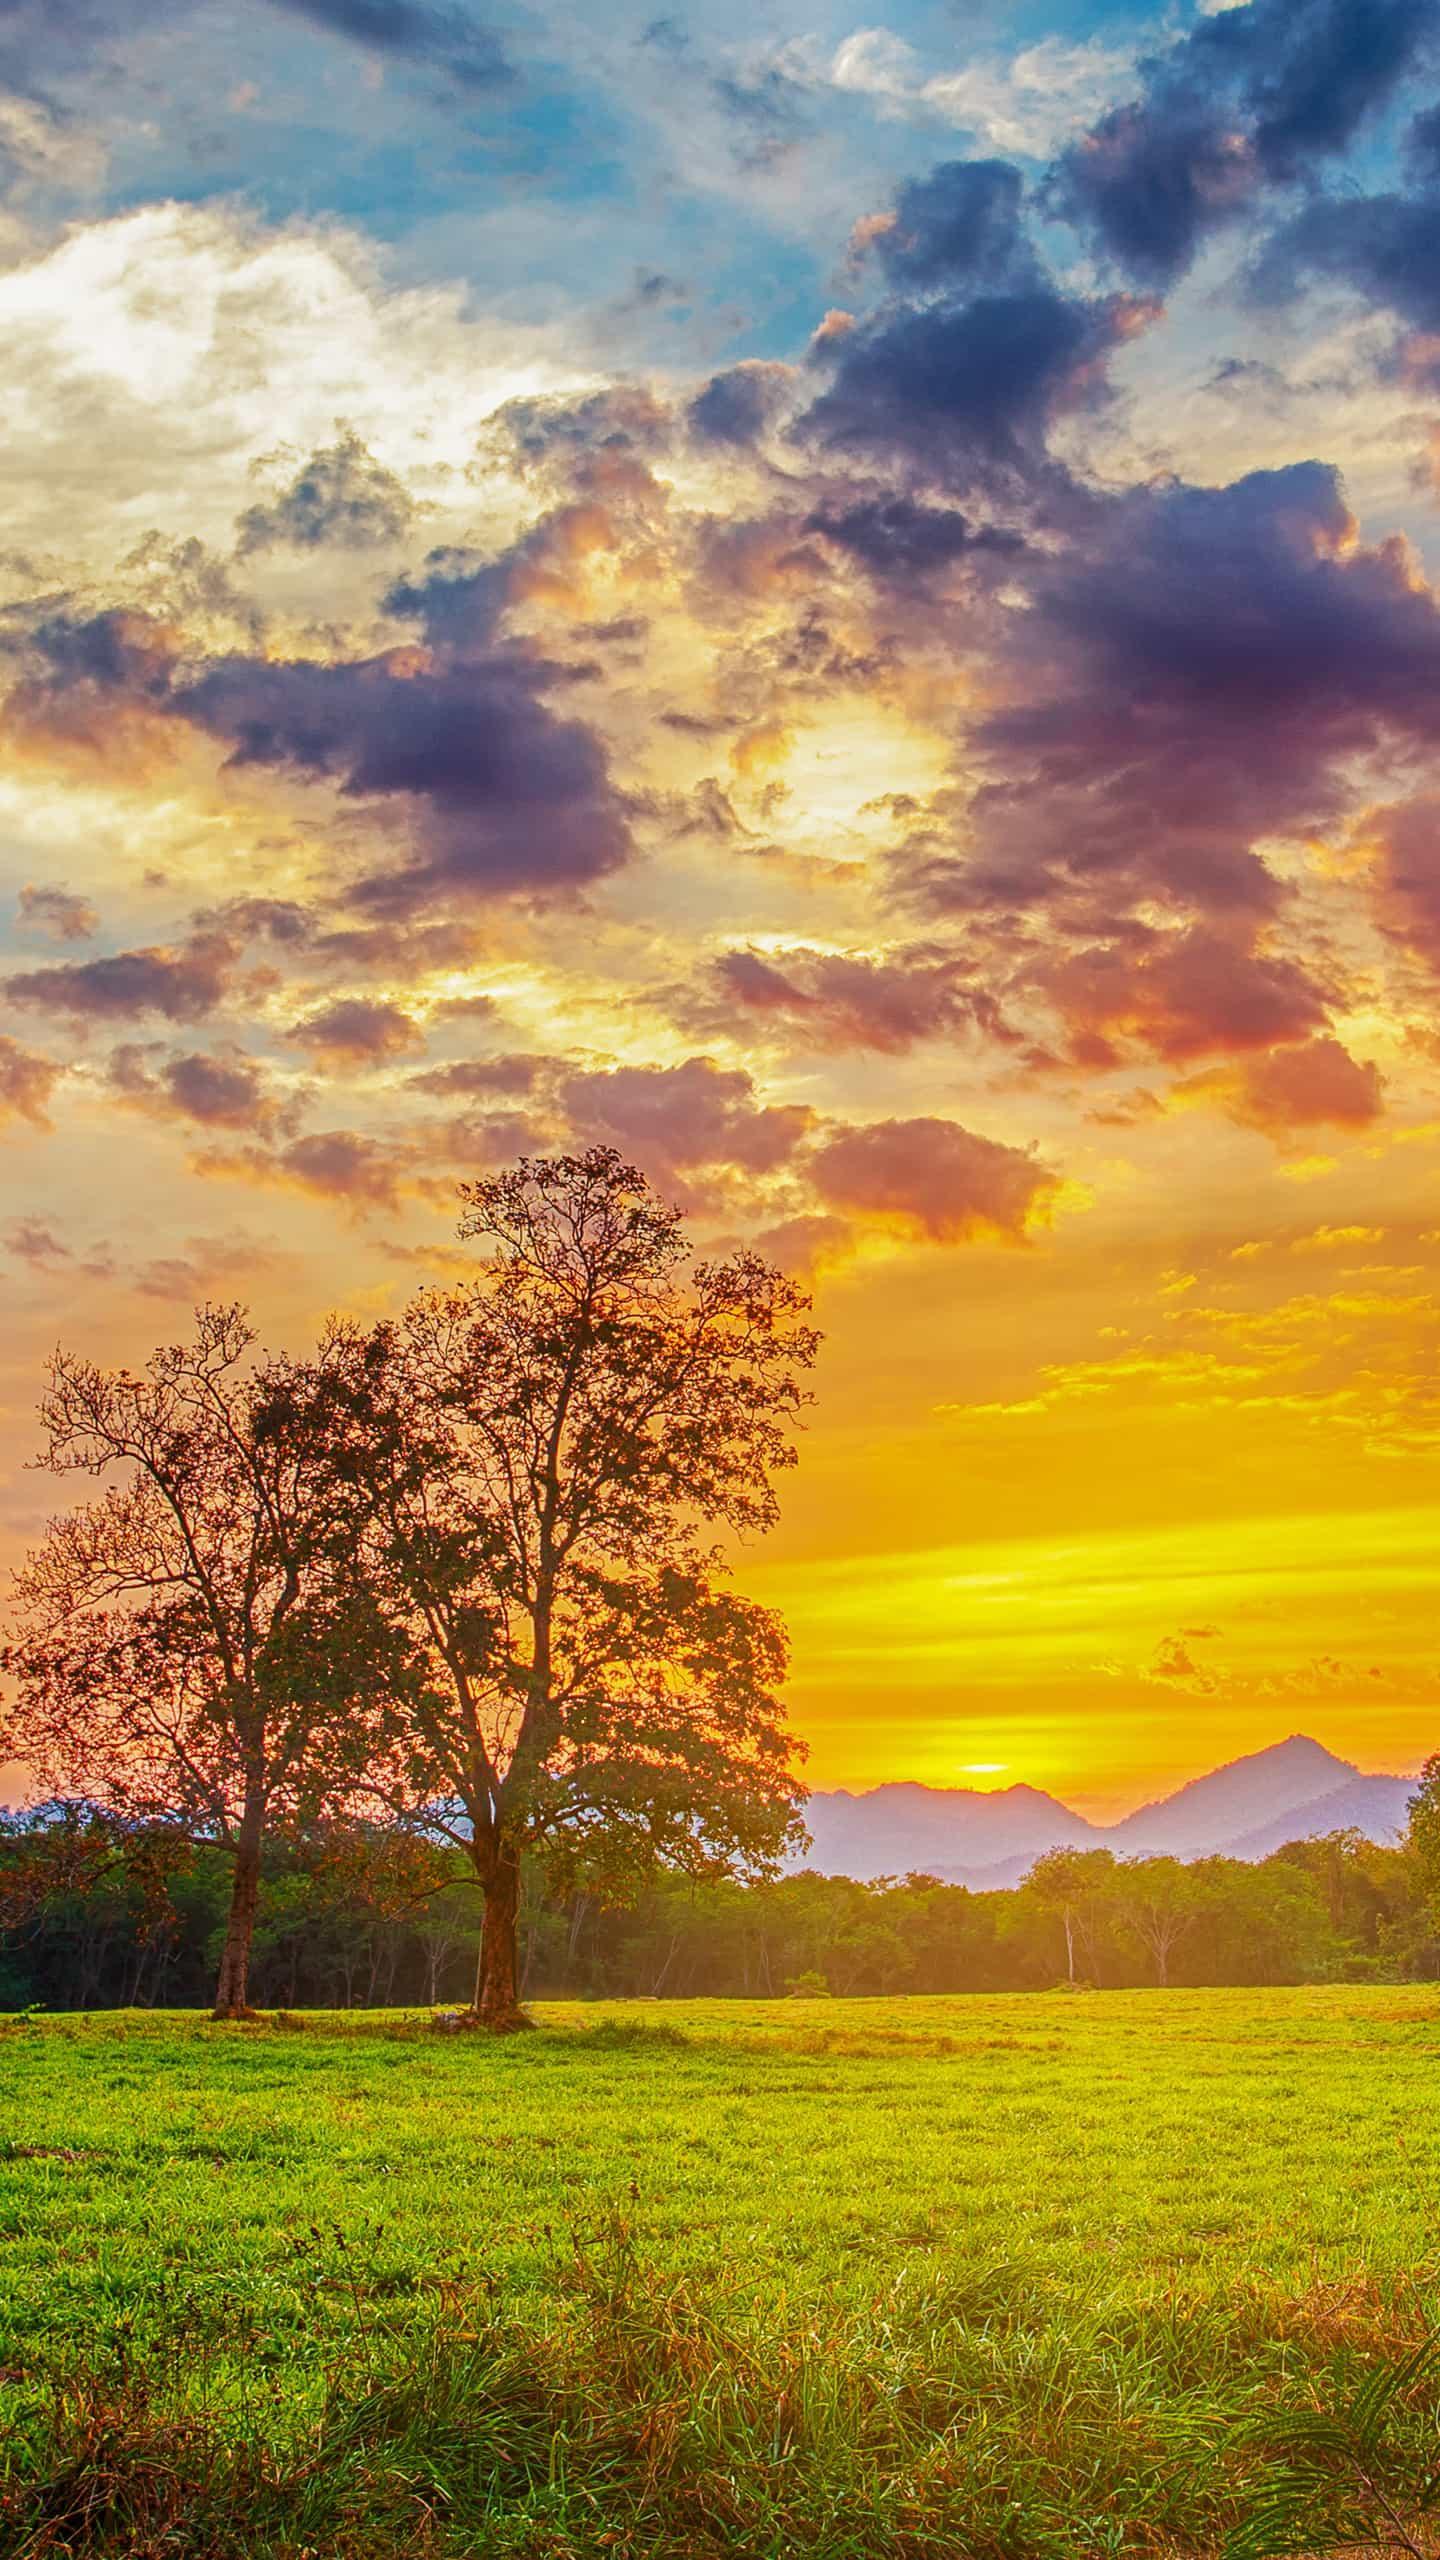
[(542, 1461), (191, 1648)]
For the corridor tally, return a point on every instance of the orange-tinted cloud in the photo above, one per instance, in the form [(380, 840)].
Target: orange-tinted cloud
[(935, 1178), (26, 1083), (1314, 1084)]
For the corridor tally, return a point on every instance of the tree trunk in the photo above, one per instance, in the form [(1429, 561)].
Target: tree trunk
[(497, 1991), (232, 1991), (1069, 1947)]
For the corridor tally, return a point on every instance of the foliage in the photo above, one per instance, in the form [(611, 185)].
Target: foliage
[(535, 1461), (97, 1914), (191, 1649)]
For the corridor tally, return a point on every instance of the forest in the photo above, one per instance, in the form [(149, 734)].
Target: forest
[(96, 1914)]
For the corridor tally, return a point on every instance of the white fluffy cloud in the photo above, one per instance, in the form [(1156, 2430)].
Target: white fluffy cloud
[(156, 355)]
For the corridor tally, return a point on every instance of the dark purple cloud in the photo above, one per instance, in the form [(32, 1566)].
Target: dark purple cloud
[(502, 792), (963, 393), (510, 796), (218, 1089), (963, 224), (1192, 678), (1385, 246), (742, 404), (1250, 98), (903, 541), (182, 985), (360, 1031)]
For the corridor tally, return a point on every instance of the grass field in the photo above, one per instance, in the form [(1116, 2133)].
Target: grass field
[(1145, 2272)]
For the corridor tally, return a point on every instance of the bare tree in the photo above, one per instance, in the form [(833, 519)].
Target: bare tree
[(191, 1647), (538, 1455)]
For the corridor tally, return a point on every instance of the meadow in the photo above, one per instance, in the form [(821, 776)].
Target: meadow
[(1041, 2275)]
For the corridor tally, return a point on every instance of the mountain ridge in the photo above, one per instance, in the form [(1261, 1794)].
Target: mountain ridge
[(988, 1838)]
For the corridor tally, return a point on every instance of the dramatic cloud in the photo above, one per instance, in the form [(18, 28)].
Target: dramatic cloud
[(902, 540), (964, 392), (740, 406), (674, 1119), (1406, 880), (935, 1178), (1179, 996), (1251, 97), (510, 796), (963, 224), (183, 985), (504, 793), (358, 1172), (341, 496), (1197, 679), (1381, 245), (219, 1090), (360, 1031), (841, 1000), (1316, 1084)]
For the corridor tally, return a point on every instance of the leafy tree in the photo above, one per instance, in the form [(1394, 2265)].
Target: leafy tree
[(1157, 1902), (1423, 1837), (1077, 1884), (538, 1456), (191, 1648)]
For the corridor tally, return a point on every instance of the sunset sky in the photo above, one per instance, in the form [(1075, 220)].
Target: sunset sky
[(844, 603)]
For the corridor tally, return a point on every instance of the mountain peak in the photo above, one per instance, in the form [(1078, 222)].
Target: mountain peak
[(1283, 1792), (1244, 1793)]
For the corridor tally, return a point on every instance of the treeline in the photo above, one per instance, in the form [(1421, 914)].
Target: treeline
[(95, 1914)]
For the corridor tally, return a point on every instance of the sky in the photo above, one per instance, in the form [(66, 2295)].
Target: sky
[(845, 604)]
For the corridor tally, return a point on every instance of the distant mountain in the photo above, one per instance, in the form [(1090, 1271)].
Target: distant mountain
[(1294, 1790), (1380, 1807), (1240, 1797), (892, 1830)]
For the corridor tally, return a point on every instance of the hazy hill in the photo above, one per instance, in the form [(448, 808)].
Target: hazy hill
[(893, 1829), (1243, 1796), (1291, 1791), (1377, 1806)]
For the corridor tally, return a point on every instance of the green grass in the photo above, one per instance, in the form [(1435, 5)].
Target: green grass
[(993, 2276)]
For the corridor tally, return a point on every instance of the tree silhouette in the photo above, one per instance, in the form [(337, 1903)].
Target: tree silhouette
[(192, 1646), (539, 1456)]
